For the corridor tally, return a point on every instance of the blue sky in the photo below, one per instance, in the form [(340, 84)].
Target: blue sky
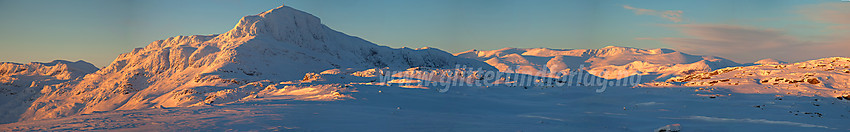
[(744, 31)]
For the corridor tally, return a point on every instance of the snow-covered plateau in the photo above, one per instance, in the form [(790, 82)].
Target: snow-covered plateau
[(283, 70)]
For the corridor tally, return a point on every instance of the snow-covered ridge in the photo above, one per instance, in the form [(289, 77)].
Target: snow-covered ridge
[(57, 69), (662, 62), (769, 61), (827, 77), (275, 46), (20, 84)]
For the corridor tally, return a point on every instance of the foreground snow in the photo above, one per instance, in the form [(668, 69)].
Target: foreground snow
[(380, 107), (336, 100)]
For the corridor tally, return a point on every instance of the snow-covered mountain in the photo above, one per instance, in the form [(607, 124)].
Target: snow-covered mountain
[(283, 70), (21, 84), (630, 61), (278, 45), (769, 61)]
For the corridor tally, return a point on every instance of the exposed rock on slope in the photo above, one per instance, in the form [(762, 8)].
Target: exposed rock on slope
[(826, 77), (21, 84), (274, 46)]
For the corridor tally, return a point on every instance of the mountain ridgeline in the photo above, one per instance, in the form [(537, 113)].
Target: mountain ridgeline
[(21, 84), (277, 45), (283, 44), (661, 63)]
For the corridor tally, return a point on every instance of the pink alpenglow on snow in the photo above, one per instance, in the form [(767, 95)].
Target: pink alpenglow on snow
[(285, 70)]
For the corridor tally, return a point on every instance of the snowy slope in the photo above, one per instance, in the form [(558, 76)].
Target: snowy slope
[(278, 45), (340, 100), (661, 62), (826, 77), (21, 84)]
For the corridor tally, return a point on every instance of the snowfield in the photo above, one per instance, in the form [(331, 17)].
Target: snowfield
[(329, 106), (284, 70)]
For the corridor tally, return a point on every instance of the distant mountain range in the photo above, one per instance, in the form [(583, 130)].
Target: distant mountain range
[(663, 63)]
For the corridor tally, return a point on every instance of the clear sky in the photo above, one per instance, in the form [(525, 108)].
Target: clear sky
[(744, 31)]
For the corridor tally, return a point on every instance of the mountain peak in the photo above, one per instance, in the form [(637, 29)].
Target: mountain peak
[(283, 23), (282, 9), (769, 61), (616, 47)]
